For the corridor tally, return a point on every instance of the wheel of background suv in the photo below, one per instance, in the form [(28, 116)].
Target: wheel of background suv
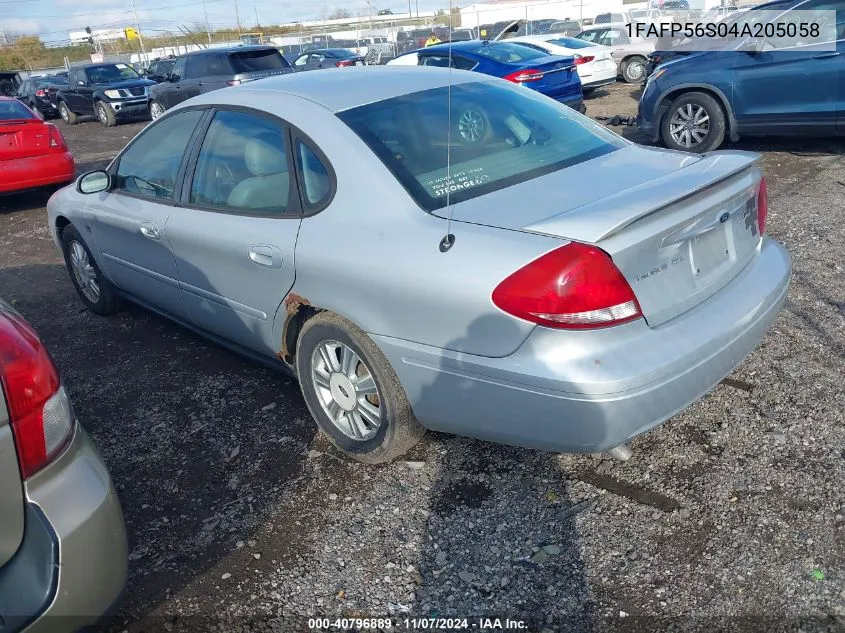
[(694, 122), (67, 116), (353, 392), (633, 69), (156, 110), (105, 114), (96, 292)]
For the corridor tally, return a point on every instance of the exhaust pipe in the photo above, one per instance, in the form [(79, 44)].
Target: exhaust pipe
[(621, 452)]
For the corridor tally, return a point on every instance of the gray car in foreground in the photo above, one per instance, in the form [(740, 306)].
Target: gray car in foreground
[(524, 276), (63, 553)]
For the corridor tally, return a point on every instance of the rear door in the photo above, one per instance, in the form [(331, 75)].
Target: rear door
[(213, 71), (83, 95), (235, 233), (195, 72), (129, 220), (11, 490)]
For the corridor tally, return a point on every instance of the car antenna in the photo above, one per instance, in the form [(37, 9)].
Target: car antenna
[(448, 240)]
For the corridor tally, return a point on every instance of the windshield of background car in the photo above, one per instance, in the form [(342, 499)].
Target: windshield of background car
[(506, 52), (501, 135), (14, 111), (110, 73), (253, 61)]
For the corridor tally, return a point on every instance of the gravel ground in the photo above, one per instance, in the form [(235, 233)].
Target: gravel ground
[(241, 517)]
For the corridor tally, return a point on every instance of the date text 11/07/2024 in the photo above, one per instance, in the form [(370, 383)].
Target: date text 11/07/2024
[(417, 624)]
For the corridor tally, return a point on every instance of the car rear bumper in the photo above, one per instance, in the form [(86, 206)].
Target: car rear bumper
[(76, 503), (600, 77), (588, 391), (38, 171)]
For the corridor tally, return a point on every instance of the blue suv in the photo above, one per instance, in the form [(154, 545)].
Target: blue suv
[(693, 101)]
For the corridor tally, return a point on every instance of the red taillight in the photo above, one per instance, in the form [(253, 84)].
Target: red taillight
[(57, 141), (40, 93), (344, 63), (762, 206), (583, 59), (233, 82), (525, 76), (572, 287), (39, 410)]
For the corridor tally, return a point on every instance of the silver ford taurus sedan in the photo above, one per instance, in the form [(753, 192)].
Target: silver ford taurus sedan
[(436, 250)]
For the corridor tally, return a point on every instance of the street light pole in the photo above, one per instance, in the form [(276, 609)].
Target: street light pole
[(138, 28), (255, 8), (207, 27)]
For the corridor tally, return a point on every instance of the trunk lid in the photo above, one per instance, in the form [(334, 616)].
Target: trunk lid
[(23, 139), (678, 226), (557, 72)]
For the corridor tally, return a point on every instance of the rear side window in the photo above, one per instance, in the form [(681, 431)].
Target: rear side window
[(501, 135), (150, 166), (253, 61), (13, 111), (508, 53), (316, 182)]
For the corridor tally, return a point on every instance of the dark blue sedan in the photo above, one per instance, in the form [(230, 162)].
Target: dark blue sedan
[(551, 75)]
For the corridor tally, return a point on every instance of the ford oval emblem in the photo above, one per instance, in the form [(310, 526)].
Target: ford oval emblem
[(724, 217)]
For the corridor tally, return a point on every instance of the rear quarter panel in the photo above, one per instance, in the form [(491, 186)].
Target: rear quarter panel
[(11, 490)]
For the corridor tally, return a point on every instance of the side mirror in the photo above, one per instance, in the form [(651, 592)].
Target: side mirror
[(93, 182), (753, 45)]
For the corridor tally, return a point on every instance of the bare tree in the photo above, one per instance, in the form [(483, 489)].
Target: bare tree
[(339, 14)]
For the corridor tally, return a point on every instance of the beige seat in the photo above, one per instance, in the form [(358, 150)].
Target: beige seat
[(269, 185)]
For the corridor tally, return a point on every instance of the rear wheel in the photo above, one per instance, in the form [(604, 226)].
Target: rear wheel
[(633, 69), (67, 116), (695, 122), (105, 115), (353, 392), (156, 110), (473, 126), (96, 292)]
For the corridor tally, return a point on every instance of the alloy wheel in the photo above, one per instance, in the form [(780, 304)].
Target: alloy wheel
[(83, 272), (346, 390), (689, 125), (471, 126)]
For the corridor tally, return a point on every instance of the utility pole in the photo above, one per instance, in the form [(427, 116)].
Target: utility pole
[(410, 10), (138, 28), (238, 17), (418, 8), (207, 27)]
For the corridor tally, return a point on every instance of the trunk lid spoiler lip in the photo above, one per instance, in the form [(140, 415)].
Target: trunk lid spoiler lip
[(600, 219)]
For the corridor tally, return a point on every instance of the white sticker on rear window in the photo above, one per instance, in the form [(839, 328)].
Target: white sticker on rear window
[(121, 66), (457, 182)]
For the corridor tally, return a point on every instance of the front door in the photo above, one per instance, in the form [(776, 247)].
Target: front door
[(171, 92), (129, 220), (235, 234)]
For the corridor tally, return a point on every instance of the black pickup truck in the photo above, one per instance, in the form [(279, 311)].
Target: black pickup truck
[(111, 92)]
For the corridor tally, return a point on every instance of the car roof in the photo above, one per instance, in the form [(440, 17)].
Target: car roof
[(345, 88), (231, 49)]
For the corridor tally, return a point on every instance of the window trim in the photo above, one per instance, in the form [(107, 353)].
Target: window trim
[(180, 174), (294, 208), (308, 209)]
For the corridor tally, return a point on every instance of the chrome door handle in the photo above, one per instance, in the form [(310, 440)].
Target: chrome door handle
[(150, 231), (265, 255)]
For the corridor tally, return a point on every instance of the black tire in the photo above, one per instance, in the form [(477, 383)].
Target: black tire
[(157, 109), (398, 431), (716, 123), (105, 115), (634, 69), (109, 300), (67, 115), (7, 88)]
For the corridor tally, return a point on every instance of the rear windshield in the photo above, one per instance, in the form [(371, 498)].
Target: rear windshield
[(569, 42), (507, 52), (252, 61), (567, 26), (14, 111), (341, 53), (501, 135)]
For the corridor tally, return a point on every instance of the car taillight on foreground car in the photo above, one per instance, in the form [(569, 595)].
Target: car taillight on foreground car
[(572, 287), (525, 76), (57, 141), (39, 410), (762, 206), (583, 59), (343, 63)]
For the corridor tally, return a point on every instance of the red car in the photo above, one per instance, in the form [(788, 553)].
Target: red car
[(32, 153)]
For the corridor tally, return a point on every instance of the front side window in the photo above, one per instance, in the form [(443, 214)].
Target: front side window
[(178, 72), (500, 135), (150, 167), (243, 166)]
